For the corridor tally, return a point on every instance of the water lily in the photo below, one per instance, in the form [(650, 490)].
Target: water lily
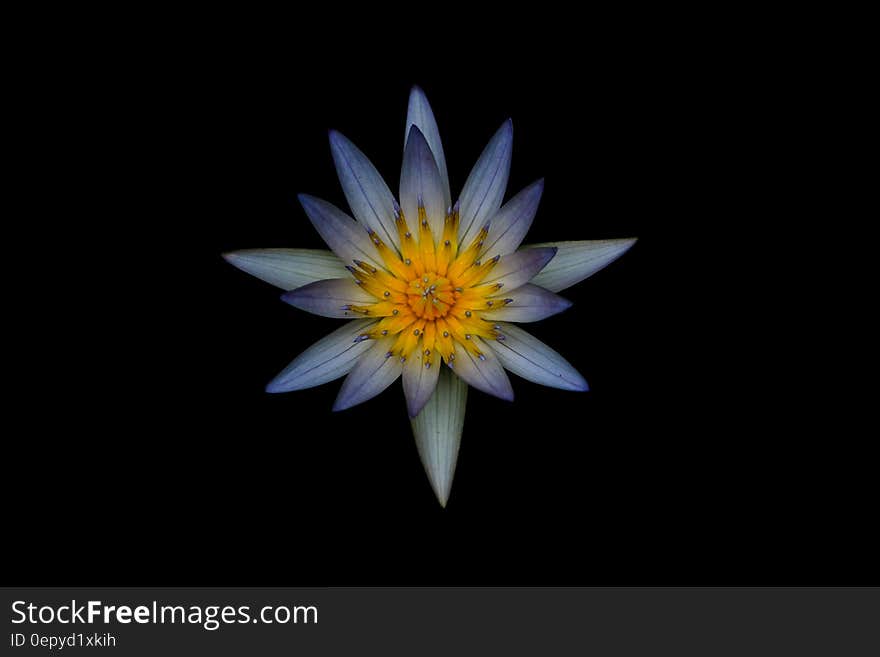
[(432, 290)]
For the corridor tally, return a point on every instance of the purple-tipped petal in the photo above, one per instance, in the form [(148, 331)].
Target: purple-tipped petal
[(329, 358), (518, 268), (419, 114), (419, 381), (420, 181), (525, 355), (510, 224), (330, 298), (368, 196), (375, 371), (287, 268), (577, 260), (347, 238), (483, 191), (485, 373), (528, 303)]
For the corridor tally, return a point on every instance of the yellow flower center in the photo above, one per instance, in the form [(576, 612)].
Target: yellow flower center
[(430, 294)]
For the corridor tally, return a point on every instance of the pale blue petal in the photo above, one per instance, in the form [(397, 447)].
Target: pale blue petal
[(419, 381), (528, 303), (329, 358), (518, 268), (375, 370), (420, 179), (526, 356), (287, 268), (484, 189), (577, 260), (419, 114), (368, 196), (484, 374), (510, 224), (348, 239), (329, 298)]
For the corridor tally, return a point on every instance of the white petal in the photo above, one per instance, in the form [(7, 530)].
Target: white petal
[(329, 298), (375, 371), (329, 358), (420, 179), (287, 268), (419, 114), (525, 355), (483, 374), (530, 304), (419, 381), (518, 268), (347, 238), (368, 196), (511, 223), (577, 260), (437, 430), (483, 192)]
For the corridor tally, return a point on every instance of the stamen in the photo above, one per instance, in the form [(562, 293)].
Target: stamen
[(467, 313)]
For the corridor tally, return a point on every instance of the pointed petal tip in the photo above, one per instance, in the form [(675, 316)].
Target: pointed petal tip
[(273, 387), (336, 138), (415, 405), (414, 131)]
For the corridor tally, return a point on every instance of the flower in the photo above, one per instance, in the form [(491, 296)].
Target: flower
[(426, 283)]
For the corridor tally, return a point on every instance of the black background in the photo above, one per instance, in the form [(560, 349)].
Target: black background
[(148, 452)]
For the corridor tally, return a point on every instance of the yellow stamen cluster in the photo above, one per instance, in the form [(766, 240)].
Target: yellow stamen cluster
[(430, 293)]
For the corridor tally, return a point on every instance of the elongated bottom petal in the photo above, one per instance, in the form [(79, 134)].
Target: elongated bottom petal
[(437, 430)]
